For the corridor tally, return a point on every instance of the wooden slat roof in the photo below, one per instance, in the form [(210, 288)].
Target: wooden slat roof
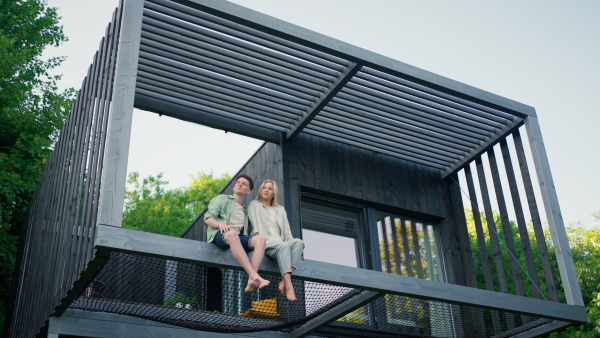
[(228, 67)]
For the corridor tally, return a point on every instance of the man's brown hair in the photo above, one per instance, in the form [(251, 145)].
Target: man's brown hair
[(246, 177)]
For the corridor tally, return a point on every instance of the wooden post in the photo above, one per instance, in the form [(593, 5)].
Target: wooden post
[(114, 175), (555, 221)]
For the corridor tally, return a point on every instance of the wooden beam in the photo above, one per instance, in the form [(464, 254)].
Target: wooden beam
[(557, 228), (114, 174), (82, 282), (323, 100), (333, 314), (180, 249), (543, 330), (184, 113), (489, 142)]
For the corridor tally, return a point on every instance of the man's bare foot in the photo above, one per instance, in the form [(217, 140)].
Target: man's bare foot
[(290, 295), (281, 287), (252, 285), (263, 283)]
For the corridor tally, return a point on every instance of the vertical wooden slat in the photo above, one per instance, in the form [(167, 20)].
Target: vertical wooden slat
[(508, 236), (333, 162), (487, 270), (522, 225), (325, 159), (95, 166), (92, 149), (414, 193), (378, 178), (506, 227), (309, 177), (387, 179), (348, 168), (487, 206), (317, 163), (535, 218), (466, 253), (356, 180)]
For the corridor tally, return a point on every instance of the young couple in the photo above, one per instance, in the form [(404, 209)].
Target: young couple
[(264, 228)]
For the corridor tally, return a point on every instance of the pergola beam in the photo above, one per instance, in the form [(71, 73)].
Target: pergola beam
[(323, 100), (180, 249), (211, 120)]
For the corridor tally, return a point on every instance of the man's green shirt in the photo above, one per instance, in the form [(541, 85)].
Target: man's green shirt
[(220, 208)]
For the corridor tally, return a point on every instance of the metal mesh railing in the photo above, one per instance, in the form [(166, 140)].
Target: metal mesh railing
[(210, 299), (202, 298)]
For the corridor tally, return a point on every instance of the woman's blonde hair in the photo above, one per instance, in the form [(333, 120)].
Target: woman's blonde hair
[(275, 193)]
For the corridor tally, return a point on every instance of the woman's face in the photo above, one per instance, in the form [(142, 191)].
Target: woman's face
[(266, 192)]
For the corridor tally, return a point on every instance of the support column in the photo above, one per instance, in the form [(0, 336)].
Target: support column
[(555, 220), (114, 175)]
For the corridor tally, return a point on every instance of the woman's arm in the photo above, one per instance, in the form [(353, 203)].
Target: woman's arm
[(285, 226)]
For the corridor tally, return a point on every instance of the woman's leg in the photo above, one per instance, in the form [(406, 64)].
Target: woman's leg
[(281, 252), (296, 250)]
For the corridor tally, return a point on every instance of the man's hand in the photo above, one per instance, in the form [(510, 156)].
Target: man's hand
[(224, 228), (213, 223)]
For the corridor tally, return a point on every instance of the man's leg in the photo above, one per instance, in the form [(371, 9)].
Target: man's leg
[(257, 244), (254, 280)]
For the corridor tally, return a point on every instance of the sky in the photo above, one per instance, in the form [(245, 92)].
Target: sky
[(541, 53)]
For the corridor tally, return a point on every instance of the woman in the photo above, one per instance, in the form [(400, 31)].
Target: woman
[(269, 219)]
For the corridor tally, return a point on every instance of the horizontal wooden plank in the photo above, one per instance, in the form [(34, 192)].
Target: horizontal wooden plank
[(153, 245)]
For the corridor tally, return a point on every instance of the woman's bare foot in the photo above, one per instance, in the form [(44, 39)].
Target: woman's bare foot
[(281, 287), (289, 294), (252, 285), (263, 283)]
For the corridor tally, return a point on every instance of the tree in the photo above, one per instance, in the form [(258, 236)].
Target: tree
[(585, 248), (32, 112), (150, 207)]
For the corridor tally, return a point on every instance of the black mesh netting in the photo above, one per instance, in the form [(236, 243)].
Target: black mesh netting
[(198, 297), (210, 299)]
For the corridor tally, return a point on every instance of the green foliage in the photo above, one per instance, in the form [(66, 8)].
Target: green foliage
[(150, 207), (180, 297), (32, 112), (585, 248)]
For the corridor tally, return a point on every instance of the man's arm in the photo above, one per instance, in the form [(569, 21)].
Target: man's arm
[(214, 208), (213, 223)]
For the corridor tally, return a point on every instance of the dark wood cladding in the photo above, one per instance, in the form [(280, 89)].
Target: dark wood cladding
[(340, 169), (265, 164), (336, 169)]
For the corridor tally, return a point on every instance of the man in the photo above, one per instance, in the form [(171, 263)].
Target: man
[(227, 221)]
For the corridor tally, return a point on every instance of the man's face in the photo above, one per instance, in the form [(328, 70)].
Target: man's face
[(242, 186)]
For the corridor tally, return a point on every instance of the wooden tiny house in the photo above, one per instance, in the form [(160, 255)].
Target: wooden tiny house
[(375, 159)]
